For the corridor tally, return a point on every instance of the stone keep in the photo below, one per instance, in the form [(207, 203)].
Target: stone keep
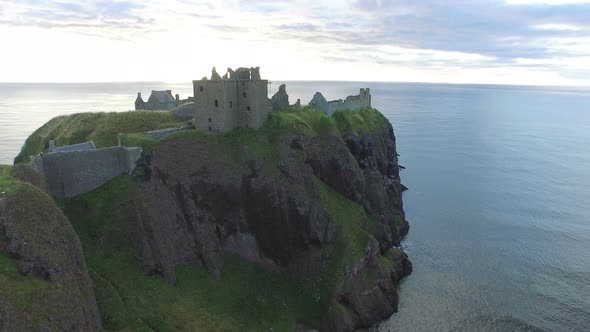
[(239, 99)]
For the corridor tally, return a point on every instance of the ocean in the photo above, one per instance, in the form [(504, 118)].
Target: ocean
[(498, 199)]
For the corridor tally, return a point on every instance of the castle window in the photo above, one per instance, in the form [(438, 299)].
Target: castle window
[(209, 119), (209, 128), (216, 103), (248, 108), (231, 104), (201, 88), (244, 94)]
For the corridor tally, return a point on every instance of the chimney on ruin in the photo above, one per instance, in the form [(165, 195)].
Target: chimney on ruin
[(177, 98)]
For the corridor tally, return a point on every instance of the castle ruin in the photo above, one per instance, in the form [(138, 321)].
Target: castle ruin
[(158, 101), (362, 100), (239, 99)]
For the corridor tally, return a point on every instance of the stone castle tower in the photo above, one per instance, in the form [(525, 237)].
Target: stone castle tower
[(239, 99)]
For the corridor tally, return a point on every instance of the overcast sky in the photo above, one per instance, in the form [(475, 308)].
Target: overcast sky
[(457, 41)]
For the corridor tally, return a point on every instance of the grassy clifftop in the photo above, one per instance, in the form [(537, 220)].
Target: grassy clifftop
[(102, 128), (306, 121)]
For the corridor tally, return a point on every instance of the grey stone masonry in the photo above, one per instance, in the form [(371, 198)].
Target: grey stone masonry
[(362, 100), (158, 101), (86, 146), (161, 133), (73, 173), (280, 100), (239, 99)]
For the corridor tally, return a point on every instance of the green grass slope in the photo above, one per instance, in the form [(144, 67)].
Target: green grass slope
[(30, 301), (246, 298), (17, 290), (102, 128)]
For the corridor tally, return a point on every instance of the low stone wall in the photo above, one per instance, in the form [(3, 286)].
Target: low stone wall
[(70, 174), (161, 133)]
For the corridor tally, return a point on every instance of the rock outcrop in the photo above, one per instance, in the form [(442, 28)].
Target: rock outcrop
[(44, 284)]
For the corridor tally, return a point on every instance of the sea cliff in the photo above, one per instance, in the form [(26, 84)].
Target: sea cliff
[(290, 226)]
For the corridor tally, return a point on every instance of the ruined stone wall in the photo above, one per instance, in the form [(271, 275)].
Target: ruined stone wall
[(280, 100), (209, 117), (158, 106), (70, 174), (263, 106), (337, 105), (247, 97), (161, 133), (319, 102), (231, 120), (362, 100), (254, 105)]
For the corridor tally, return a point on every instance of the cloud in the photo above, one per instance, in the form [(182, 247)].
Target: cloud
[(110, 19), (526, 34)]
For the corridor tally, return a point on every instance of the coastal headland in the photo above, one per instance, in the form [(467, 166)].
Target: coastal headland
[(291, 224)]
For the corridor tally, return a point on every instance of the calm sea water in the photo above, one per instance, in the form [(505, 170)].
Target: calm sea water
[(499, 199)]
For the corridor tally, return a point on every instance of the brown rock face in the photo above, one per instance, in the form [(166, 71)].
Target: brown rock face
[(197, 204), (56, 292), (193, 209), (370, 295), (376, 156)]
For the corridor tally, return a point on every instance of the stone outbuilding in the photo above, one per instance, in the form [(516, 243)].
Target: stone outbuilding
[(158, 101)]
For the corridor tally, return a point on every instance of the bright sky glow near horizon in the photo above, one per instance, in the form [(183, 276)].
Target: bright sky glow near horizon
[(531, 42)]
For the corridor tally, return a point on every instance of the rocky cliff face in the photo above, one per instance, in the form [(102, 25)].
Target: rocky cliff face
[(44, 284), (196, 204), (307, 195)]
